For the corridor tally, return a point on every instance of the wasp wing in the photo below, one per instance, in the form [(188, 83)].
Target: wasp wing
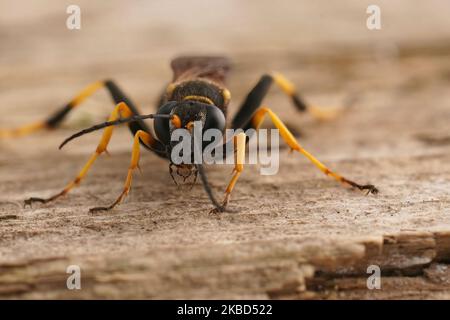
[(191, 67)]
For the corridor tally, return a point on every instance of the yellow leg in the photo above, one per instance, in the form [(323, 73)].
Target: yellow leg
[(22, 131), (239, 145), (85, 93), (139, 136), (294, 145), (49, 123), (317, 112), (121, 110), (285, 85)]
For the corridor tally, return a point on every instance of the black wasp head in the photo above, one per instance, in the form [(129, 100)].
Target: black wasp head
[(183, 116)]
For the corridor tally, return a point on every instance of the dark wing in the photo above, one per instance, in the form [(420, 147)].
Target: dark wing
[(191, 67)]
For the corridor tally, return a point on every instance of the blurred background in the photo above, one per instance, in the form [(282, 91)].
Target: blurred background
[(133, 42), (156, 30), (325, 48)]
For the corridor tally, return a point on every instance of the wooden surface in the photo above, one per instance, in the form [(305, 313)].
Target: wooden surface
[(298, 234)]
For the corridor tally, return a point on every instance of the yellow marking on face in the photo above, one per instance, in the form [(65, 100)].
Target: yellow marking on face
[(176, 121), (190, 125)]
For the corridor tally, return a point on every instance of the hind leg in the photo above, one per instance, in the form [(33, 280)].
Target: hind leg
[(256, 96), (58, 117)]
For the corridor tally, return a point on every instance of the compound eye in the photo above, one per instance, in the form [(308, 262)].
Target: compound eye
[(162, 127), (214, 118)]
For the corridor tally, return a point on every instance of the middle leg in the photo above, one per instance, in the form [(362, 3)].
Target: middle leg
[(287, 136), (121, 110)]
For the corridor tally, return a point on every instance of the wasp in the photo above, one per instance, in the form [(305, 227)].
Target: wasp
[(197, 92)]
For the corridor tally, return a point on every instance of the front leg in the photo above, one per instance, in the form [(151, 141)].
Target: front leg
[(135, 155), (121, 110), (239, 145)]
